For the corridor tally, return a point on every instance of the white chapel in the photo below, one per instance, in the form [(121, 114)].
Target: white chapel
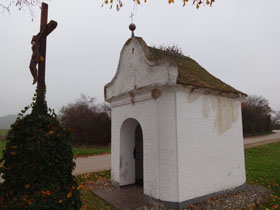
[(176, 129)]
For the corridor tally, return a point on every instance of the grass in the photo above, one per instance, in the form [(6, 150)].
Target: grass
[(78, 151), (263, 167), (89, 200), (85, 151), (3, 132)]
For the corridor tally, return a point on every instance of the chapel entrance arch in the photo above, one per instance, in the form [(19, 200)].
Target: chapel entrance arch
[(131, 153)]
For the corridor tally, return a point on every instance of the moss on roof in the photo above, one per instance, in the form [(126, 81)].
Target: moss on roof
[(190, 73)]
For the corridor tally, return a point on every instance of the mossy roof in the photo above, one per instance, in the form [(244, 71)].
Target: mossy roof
[(190, 73)]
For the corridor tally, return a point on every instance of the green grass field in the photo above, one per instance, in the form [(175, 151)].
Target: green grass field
[(3, 132), (78, 151), (85, 151), (89, 200), (263, 167)]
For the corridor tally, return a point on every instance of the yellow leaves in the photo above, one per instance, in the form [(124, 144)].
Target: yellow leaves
[(84, 207), (69, 195), (46, 193), (251, 206), (49, 133), (27, 186), (60, 201), (118, 3), (81, 186), (185, 2), (138, 1), (275, 206)]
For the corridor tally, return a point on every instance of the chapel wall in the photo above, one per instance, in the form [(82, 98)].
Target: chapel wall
[(210, 144)]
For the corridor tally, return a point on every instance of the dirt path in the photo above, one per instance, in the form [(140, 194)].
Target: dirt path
[(92, 164), (261, 140)]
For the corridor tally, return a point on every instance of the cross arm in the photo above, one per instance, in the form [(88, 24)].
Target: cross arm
[(46, 31), (50, 27)]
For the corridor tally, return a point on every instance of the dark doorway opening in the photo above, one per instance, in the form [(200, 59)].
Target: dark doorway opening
[(138, 155)]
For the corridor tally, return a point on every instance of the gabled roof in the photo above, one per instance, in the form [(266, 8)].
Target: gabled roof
[(190, 73)]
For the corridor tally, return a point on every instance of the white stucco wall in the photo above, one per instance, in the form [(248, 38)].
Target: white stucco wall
[(157, 119), (167, 146), (135, 71), (210, 144)]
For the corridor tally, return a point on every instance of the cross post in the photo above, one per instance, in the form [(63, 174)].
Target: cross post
[(39, 45)]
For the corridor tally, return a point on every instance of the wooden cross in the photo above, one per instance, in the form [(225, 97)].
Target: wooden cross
[(39, 43)]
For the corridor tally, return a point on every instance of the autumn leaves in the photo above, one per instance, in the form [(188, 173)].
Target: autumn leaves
[(118, 3)]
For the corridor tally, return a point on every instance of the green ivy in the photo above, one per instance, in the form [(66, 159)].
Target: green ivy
[(38, 164)]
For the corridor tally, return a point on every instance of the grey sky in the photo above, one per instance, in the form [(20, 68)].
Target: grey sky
[(235, 40)]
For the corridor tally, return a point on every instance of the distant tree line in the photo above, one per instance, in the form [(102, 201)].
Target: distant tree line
[(90, 122), (257, 116), (6, 121)]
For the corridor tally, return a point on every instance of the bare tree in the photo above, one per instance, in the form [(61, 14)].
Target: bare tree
[(256, 115), (276, 120), (6, 5), (90, 122)]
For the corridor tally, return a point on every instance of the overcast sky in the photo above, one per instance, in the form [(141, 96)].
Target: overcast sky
[(235, 40)]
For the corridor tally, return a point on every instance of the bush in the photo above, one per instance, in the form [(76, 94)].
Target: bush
[(174, 49), (256, 116), (38, 164), (90, 122)]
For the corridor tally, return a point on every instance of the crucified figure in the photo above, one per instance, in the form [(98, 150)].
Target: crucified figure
[(36, 48), (35, 58)]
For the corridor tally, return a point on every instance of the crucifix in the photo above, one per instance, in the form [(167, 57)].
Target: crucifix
[(39, 43)]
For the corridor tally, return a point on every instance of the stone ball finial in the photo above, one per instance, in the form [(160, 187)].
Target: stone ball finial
[(132, 27)]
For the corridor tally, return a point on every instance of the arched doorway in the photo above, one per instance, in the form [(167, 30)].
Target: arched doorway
[(131, 153)]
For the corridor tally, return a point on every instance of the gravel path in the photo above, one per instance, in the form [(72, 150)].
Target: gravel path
[(252, 195)]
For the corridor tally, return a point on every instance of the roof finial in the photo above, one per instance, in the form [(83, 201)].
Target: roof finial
[(132, 26)]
